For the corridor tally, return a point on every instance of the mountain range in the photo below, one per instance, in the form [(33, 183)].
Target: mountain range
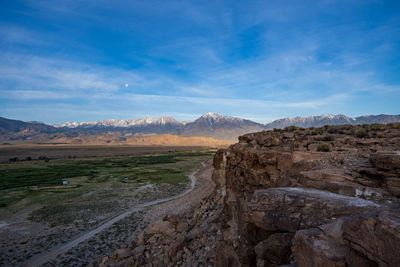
[(211, 125)]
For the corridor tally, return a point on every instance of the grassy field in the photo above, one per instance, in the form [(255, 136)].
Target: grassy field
[(22, 152), (39, 179), (38, 212)]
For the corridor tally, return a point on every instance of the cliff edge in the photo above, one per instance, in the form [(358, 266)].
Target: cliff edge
[(324, 196)]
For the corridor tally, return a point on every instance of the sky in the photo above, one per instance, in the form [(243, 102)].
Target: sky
[(90, 60)]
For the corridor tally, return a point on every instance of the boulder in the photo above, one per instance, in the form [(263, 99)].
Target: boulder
[(313, 248), (335, 181), (264, 138), (371, 238), (288, 209), (122, 253), (387, 160), (160, 227), (376, 236)]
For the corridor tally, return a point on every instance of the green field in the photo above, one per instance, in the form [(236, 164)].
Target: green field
[(41, 180)]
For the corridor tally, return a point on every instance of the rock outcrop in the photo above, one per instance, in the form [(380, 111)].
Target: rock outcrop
[(295, 197)]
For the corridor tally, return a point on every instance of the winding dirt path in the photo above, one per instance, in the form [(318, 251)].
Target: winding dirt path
[(49, 255)]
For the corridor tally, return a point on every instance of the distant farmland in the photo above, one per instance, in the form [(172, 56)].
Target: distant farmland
[(22, 152)]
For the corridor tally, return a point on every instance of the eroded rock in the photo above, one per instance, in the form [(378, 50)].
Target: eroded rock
[(289, 209), (278, 202)]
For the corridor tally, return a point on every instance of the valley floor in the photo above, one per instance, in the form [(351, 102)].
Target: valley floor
[(127, 230), (48, 218)]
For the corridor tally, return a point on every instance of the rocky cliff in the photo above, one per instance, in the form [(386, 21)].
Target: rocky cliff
[(295, 197)]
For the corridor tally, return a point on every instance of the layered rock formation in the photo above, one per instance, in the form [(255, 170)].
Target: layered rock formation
[(308, 197)]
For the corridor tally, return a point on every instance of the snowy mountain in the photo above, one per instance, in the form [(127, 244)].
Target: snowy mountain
[(311, 121), (121, 123), (330, 119), (220, 126), (209, 125)]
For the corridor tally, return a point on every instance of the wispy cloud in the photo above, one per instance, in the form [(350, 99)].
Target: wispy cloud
[(14, 34), (258, 59)]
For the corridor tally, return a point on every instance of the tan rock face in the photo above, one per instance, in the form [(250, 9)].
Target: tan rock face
[(279, 202), (276, 183)]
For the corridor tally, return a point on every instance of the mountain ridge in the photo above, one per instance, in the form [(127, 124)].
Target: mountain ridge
[(211, 124), (331, 119)]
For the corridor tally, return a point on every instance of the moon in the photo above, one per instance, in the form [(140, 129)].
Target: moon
[(126, 85)]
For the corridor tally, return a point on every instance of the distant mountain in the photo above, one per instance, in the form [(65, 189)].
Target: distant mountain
[(210, 125), (220, 127), (163, 125), (121, 123), (368, 119), (20, 130), (329, 119), (213, 125)]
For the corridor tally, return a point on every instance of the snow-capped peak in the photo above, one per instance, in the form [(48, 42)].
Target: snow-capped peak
[(120, 123), (327, 116), (212, 118), (212, 115)]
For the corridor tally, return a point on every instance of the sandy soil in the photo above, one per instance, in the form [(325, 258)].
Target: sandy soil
[(126, 230)]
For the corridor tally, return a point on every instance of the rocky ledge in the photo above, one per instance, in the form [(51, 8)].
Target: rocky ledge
[(294, 197)]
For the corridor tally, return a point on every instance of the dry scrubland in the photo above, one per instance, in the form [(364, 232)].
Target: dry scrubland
[(37, 212)]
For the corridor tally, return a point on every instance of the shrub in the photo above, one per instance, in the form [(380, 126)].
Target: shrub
[(327, 138), (376, 126), (28, 158), (13, 159), (361, 133), (290, 128), (324, 148), (333, 129), (346, 140), (365, 126)]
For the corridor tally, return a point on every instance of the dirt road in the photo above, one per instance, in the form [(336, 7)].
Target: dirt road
[(157, 208)]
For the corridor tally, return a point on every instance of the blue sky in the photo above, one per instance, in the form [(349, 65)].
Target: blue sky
[(70, 60)]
